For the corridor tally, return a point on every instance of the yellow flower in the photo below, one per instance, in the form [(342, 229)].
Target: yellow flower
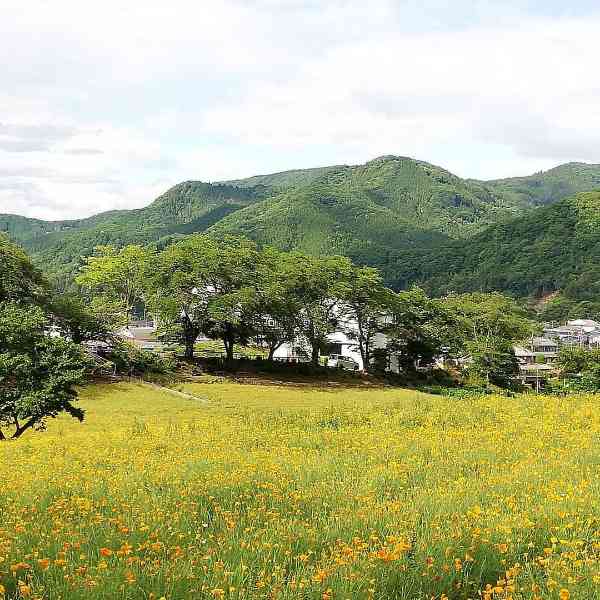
[(564, 594)]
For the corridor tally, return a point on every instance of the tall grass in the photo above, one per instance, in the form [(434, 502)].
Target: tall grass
[(272, 492)]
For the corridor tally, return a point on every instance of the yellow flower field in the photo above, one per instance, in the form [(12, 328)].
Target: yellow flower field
[(277, 492)]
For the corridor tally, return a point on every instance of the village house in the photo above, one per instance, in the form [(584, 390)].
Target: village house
[(340, 343), (578, 332)]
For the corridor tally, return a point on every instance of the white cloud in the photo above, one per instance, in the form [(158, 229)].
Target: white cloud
[(105, 105)]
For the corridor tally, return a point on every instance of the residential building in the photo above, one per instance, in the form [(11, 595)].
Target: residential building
[(341, 342)]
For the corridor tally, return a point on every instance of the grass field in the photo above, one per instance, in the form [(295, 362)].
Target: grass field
[(272, 492)]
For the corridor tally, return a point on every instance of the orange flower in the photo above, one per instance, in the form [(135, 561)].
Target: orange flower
[(129, 577), (564, 594), (105, 552), (20, 566), (44, 563)]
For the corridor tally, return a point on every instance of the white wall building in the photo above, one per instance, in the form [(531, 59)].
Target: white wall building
[(340, 343)]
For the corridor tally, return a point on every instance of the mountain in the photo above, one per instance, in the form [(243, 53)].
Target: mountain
[(377, 213), (284, 179), (555, 247), (188, 207), (393, 212), (549, 186)]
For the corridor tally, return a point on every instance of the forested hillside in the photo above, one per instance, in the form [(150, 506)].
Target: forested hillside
[(396, 213), (550, 186), (189, 207), (553, 248)]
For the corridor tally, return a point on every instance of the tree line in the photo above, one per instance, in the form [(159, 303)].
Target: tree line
[(235, 291)]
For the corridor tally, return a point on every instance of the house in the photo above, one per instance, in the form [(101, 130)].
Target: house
[(544, 349), (536, 361), (585, 325), (524, 356), (578, 332), (535, 374), (340, 342)]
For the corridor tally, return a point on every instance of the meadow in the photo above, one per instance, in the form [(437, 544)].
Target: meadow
[(282, 492)]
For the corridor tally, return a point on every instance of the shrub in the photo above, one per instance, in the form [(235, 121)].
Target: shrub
[(131, 360)]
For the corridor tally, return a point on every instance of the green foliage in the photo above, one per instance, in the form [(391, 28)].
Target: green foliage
[(394, 213), (554, 248), (483, 328), (73, 317), (186, 208), (117, 278), (479, 315), (492, 360), (575, 359), (131, 360), (368, 304), (419, 329), (38, 373), (19, 279), (201, 286), (549, 186), (582, 365)]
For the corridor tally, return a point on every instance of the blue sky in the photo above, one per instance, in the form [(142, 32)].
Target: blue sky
[(106, 105)]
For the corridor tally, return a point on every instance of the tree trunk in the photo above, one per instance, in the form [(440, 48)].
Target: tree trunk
[(190, 339), (272, 349), (315, 355), (228, 343), (22, 429), (366, 358)]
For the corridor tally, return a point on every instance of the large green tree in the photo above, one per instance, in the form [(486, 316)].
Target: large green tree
[(275, 315), (419, 329), (19, 279), (116, 279), (318, 287), (38, 373), (209, 287), (486, 327)]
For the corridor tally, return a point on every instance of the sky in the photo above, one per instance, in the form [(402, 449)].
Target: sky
[(105, 105)]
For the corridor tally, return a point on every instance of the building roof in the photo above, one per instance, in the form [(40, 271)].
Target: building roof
[(543, 341), (522, 352), (537, 367), (584, 323)]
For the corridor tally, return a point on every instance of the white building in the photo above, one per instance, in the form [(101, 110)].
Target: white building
[(339, 343), (578, 332)]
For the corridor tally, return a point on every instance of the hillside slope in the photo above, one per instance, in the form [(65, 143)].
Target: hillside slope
[(549, 186), (367, 211), (556, 247), (393, 212), (357, 200), (186, 208)]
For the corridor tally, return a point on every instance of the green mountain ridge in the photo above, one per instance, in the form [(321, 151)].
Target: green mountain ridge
[(549, 186), (556, 247), (393, 212)]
